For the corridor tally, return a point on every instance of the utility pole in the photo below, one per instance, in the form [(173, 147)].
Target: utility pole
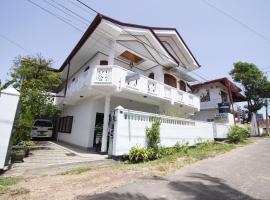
[(266, 116)]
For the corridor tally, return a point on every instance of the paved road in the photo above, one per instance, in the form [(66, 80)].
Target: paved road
[(242, 174)]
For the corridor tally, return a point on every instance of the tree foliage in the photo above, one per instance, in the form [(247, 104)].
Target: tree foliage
[(33, 77), (255, 83)]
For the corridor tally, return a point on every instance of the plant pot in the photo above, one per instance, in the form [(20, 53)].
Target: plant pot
[(17, 156), (26, 151)]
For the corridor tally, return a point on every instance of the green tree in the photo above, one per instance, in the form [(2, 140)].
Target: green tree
[(33, 77), (255, 83)]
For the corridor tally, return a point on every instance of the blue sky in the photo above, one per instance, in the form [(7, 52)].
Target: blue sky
[(216, 40)]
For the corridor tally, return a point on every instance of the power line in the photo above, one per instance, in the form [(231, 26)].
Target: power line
[(63, 11), (74, 13), (237, 21), (59, 17), (55, 15), (13, 42)]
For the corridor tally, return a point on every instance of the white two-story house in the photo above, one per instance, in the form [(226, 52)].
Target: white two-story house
[(217, 99), (116, 64)]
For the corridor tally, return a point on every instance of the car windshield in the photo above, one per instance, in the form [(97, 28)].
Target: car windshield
[(43, 123)]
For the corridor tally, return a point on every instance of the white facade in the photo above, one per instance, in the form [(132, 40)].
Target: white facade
[(130, 128), (111, 68), (8, 105)]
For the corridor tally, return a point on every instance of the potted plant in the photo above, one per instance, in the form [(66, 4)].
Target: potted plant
[(27, 146), (17, 156)]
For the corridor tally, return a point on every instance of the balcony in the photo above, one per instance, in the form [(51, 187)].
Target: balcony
[(113, 78)]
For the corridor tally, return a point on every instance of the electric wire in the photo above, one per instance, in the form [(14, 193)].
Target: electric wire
[(55, 15), (14, 43), (237, 21)]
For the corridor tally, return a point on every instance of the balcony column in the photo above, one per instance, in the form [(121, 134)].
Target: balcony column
[(111, 52), (105, 123)]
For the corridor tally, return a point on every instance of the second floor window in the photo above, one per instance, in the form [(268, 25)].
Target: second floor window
[(170, 80), (224, 96), (103, 62), (182, 85), (205, 96), (151, 75)]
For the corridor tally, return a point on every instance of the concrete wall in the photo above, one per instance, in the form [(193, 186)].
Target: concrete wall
[(221, 131), (8, 105), (81, 113), (130, 130), (215, 98), (84, 117), (205, 115)]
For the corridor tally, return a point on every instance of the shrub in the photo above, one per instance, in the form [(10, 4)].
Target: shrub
[(139, 154), (153, 135), (237, 134), (181, 147)]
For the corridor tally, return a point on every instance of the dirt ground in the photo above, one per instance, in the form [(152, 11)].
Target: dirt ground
[(73, 186), (99, 179)]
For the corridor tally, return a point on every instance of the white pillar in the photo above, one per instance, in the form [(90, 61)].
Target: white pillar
[(9, 99), (105, 123), (111, 53)]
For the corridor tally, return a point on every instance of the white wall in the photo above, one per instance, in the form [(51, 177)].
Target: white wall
[(133, 105), (221, 131), (215, 98), (131, 130), (81, 113), (84, 117), (8, 105), (205, 115)]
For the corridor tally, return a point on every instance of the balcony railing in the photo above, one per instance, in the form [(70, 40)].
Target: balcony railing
[(115, 76)]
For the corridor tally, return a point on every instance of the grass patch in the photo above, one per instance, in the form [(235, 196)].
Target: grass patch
[(182, 158), (168, 163), (75, 171), (5, 183), (19, 191)]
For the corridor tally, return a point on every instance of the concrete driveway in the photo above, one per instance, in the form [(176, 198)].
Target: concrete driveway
[(242, 174), (52, 158)]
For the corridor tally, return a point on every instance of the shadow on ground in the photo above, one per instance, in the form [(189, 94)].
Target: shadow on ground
[(116, 196), (196, 187), (205, 187)]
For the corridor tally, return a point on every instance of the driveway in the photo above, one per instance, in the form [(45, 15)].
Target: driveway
[(242, 174), (52, 158)]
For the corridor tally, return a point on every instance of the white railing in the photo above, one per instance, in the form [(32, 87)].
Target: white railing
[(113, 75)]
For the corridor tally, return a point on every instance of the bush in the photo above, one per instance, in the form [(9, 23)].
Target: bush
[(181, 147), (237, 134), (153, 135), (139, 154)]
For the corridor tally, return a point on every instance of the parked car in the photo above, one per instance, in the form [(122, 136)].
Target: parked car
[(42, 128)]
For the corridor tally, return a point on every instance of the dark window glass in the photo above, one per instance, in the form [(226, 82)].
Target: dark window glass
[(65, 124), (43, 123), (183, 85), (170, 80), (103, 62), (152, 75)]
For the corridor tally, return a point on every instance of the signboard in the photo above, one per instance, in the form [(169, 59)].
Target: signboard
[(223, 107), (221, 118), (132, 77)]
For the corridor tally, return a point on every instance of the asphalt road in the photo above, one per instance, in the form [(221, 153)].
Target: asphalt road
[(243, 173)]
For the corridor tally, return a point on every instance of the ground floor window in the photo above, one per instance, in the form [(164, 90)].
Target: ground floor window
[(65, 124)]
